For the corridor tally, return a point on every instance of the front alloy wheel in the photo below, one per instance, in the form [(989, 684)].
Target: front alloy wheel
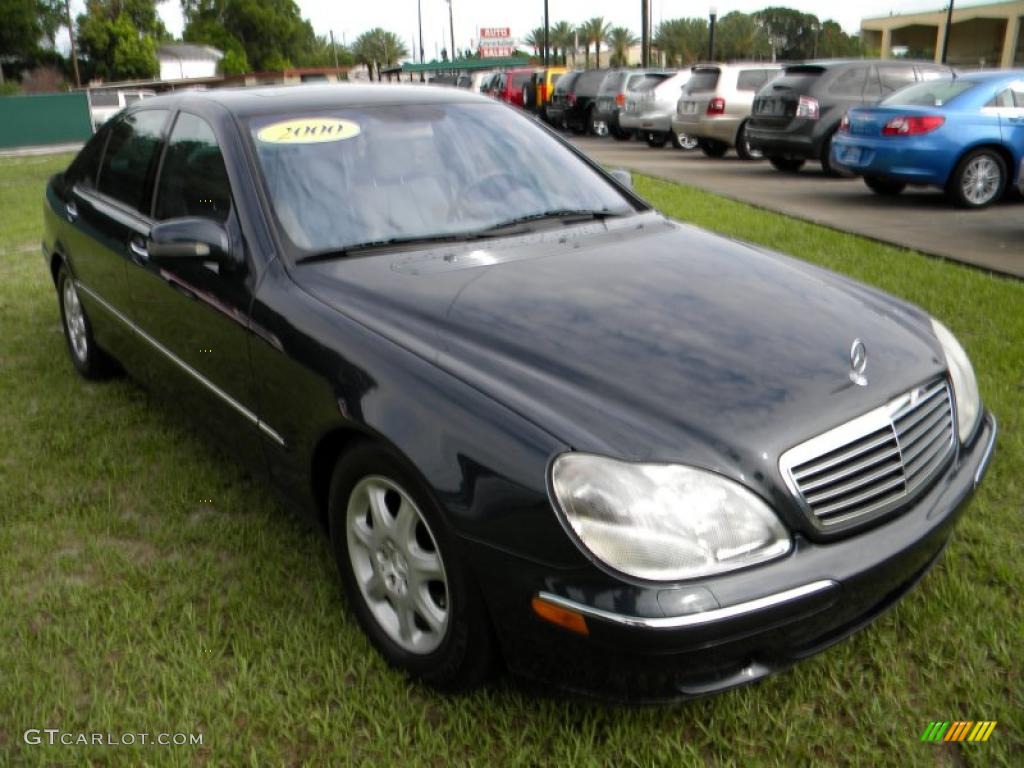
[(406, 584), (397, 564)]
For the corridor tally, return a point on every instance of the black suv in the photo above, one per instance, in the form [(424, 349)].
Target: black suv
[(559, 101), (795, 116), (580, 112)]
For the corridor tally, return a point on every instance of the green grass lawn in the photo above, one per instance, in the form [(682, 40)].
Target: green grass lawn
[(129, 604)]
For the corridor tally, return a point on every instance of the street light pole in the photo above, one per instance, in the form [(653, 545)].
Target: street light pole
[(711, 34), (945, 36), (419, 19), (645, 34), (545, 33)]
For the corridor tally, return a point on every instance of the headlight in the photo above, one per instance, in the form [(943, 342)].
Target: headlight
[(663, 521), (965, 386)]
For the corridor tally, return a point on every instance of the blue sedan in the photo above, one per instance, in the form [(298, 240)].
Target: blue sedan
[(963, 134)]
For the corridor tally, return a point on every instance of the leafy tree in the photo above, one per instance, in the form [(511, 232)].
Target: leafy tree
[(620, 40), (377, 48), (833, 42), (21, 27), (792, 33), (682, 41), (271, 34), (594, 31), (739, 36), (118, 38)]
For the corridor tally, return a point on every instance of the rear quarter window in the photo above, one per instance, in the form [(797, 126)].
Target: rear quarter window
[(849, 82), (751, 79), (128, 162)]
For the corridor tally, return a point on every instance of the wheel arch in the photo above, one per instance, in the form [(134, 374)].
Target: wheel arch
[(999, 149), (328, 449)]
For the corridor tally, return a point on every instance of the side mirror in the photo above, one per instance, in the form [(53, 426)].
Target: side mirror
[(194, 239), (624, 177)]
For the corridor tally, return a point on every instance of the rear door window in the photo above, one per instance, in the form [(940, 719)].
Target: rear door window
[(751, 79), (129, 161), (849, 83), (193, 178)]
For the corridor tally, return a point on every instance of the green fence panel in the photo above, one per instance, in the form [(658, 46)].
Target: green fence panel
[(46, 118)]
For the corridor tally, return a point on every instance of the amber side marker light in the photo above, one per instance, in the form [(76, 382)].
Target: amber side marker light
[(563, 617)]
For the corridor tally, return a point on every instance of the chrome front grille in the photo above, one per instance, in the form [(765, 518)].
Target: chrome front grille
[(876, 462)]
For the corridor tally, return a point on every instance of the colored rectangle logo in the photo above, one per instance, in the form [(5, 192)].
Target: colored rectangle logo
[(959, 730)]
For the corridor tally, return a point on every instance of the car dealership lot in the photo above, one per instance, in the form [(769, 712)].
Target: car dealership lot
[(920, 219)]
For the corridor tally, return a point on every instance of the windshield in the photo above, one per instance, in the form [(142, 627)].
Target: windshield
[(339, 178), (930, 93)]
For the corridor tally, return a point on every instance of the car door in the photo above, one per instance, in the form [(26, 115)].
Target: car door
[(197, 313), (1011, 127), (106, 213)]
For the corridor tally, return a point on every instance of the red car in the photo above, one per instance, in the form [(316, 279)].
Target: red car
[(509, 87)]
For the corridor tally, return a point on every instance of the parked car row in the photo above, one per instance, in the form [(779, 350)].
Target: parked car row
[(894, 123)]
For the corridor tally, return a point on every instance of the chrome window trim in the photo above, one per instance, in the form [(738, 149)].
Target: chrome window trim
[(694, 619), (249, 415), (880, 418)]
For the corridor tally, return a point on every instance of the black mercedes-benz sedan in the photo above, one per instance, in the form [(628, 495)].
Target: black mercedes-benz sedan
[(539, 422)]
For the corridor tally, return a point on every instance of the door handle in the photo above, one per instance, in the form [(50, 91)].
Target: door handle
[(138, 249), (71, 210)]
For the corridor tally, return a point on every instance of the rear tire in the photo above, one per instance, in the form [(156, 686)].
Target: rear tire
[(410, 591), (712, 148), (656, 139), (596, 127), (787, 164), (743, 148), (885, 187), (978, 180), (87, 357)]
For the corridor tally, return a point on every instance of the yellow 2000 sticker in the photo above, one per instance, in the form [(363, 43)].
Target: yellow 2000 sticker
[(308, 130)]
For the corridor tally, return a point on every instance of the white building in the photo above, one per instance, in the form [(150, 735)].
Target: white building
[(181, 61)]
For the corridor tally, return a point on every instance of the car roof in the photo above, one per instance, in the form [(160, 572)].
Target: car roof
[(263, 100), (986, 75)]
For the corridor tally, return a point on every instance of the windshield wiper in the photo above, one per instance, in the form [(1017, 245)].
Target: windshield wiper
[(561, 214), (370, 245)]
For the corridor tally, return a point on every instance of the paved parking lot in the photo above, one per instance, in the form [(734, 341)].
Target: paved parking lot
[(919, 218)]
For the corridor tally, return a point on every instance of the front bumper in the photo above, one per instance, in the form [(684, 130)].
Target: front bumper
[(926, 161), (642, 645)]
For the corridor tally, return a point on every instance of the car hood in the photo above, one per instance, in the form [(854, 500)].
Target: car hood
[(643, 338)]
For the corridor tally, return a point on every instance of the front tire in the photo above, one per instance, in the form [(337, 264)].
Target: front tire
[(89, 360), (884, 187), (743, 148), (656, 139), (712, 148), (786, 164), (978, 180), (405, 581)]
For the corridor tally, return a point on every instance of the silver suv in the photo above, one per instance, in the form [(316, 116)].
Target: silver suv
[(650, 106), (716, 103)]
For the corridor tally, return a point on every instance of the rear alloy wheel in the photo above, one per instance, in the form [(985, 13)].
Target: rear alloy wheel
[(743, 148), (89, 360), (404, 580), (979, 179), (786, 164), (596, 127), (684, 142), (656, 139), (882, 186), (712, 148)]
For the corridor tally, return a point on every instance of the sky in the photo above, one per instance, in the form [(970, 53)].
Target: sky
[(351, 17)]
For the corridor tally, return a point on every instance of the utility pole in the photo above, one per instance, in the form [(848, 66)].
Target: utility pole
[(334, 48), (74, 50), (451, 27), (945, 36), (419, 17), (645, 34), (545, 33), (711, 33)]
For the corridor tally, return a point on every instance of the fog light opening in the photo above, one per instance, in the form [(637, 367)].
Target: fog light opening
[(563, 617)]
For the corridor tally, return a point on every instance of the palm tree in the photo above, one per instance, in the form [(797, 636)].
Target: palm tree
[(595, 31), (535, 39), (683, 41), (619, 40), (378, 48), (562, 37)]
